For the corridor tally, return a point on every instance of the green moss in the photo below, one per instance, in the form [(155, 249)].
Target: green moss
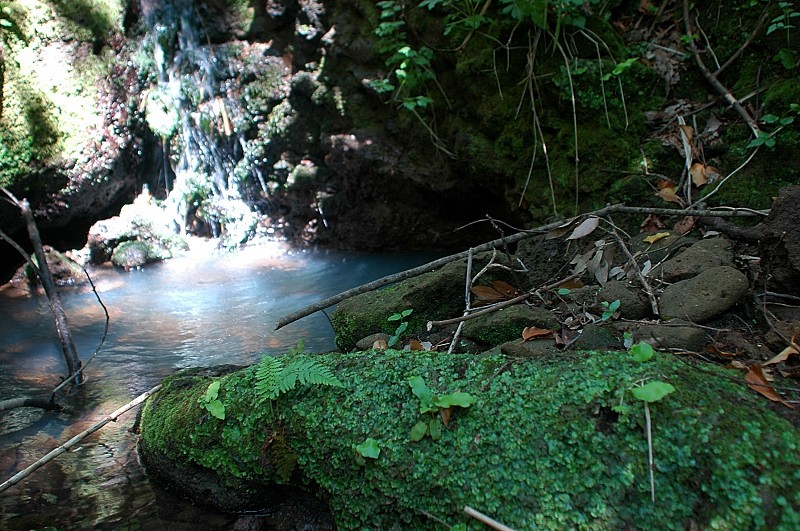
[(549, 444)]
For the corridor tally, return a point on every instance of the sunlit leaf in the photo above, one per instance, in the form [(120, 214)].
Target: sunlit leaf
[(757, 381), (653, 391), (585, 228), (458, 398), (217, 409), (369, 449), (655, 237), (532, 332)]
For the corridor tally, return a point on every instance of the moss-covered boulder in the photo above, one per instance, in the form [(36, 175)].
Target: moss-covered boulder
[(549, 443)]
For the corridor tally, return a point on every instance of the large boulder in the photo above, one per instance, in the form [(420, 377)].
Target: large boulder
[(549, 443)]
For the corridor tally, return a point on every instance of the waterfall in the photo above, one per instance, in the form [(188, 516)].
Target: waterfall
[(187, 108)]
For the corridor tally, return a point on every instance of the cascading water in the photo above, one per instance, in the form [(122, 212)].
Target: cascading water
[(186, 108)]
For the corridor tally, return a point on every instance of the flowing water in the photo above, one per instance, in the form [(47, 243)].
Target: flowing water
[(202, 309)]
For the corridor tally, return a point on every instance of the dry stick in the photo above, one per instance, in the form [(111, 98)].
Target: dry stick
[(501, 305), (19, 476), (430, 266), (650, 461), (491, 522), (41, 403), (732, 58), (62, 327), (467, 286), (711, 78), (645, 284)]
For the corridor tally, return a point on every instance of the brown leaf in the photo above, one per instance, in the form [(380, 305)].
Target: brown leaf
[(784, 355), (560, 231), (505, 288), (531, 332), (573, 283), (585, 228), (688, 132), (716, 351), (415, 344), (698, 174), (685, 225), (757, 381), (669, 195), (651, 224), (445, 413)]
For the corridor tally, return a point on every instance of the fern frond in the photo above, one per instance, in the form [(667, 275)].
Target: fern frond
[(306, 371), (268, 372)]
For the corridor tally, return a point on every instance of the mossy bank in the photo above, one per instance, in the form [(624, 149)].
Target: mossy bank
[(549, 443)]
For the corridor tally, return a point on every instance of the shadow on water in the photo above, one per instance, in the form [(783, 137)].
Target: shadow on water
[(197, 310)]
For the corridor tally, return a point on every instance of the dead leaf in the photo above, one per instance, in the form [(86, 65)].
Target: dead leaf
[(573, 283), (688, 133), (651, 224), (669, 195), (445, 413), (531, 332), (712, 174), (784, 355), (655, 237), (585, 228), (560, 231), (380, 344), (698, 174), (757, 381), (415, 344), (498, 291), (716, 351), (685, 225)]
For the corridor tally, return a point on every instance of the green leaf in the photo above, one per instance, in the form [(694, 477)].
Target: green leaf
[(653, 391), (212, 392), (369, 448), (423, 392), (217, 409), (435, 428), (406, 313), (642, 351), (563, 291), (418, 431), (454, 399)]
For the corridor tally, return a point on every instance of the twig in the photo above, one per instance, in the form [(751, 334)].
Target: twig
[(650, 462), (491, 522), (41, 403), (430, 266), (467, 286), (738, 52), (19, 476), (645, 284), (711, 78)]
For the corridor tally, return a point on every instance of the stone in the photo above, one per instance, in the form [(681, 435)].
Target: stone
[(507, 324), (708, 295), (633, 303), (526, 349), (369, 341), (598, 336), (677, 334), (703, 255)]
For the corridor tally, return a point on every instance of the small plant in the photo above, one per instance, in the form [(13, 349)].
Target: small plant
[(652, 391), (400, 316), (210, 401), (369, 449), (438, 407), (273, 378), (609, 309)]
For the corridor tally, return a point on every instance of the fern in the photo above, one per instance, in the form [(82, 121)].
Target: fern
[(267, 378), (273, 378), (306, 372)]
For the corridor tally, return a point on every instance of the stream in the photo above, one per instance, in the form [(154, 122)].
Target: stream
[(201, 309)]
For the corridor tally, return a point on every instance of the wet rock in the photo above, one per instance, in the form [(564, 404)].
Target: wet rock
[(507, 324), (633, 303), (130, 255), (703, 255), (709, 294)]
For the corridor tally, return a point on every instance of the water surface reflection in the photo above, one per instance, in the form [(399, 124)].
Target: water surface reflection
[(198, 310)]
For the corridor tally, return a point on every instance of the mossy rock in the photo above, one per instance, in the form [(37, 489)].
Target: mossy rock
[(433, 296), (550, 443)]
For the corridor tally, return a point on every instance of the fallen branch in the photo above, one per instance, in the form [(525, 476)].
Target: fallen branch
[(436, 264), (41, 403), (491, 522), (19, 476), (711, 78)]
